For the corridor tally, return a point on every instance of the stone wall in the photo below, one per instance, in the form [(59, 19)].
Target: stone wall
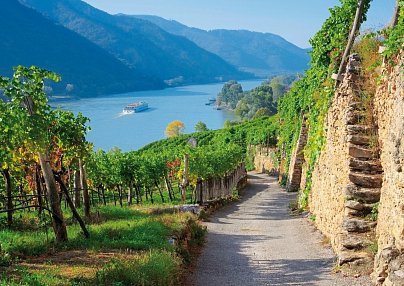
[(265, 159), (330, 174), (348, 175), (389, 109), (297, 160)]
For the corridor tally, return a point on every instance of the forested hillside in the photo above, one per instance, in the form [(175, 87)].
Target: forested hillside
[(260, 53), (260, 101), (139, 44), (30, 39)]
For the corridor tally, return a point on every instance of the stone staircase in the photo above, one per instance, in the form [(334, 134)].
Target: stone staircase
[(365, 181), (363, 190)]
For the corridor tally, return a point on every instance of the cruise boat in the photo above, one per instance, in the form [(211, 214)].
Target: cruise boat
[(135, 107)]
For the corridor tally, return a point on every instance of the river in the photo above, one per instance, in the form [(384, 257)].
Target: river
[(110, 128)]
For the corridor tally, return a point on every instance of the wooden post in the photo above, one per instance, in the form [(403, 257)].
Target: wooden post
[(72, 207), (185, 178), (394, 19), (355, 27), (86, 197), (77, 188), (9, 193)]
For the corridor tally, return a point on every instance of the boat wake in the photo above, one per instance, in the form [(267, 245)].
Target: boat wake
[(121, 114)]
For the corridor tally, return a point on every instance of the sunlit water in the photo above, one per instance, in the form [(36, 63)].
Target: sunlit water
[(110, 127)]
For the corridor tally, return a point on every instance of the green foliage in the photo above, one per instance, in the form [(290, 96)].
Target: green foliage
[(258, 102), (375, 212), (200, 127), (311, 95), (155, 268), (373, 247), (394, 36), (22, 276), (230, 94)]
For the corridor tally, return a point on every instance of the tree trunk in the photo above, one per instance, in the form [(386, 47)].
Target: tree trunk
[(120, 195), (59, 225), (103, 195), (38, 189), (151, 195), (9, 192), (77, 188), (159, 189), (137, 190), (168, 187), (130, 194), (86, 197), (72, 207)]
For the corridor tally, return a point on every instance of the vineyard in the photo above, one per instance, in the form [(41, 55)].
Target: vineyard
[(59, 195), (52, 179)]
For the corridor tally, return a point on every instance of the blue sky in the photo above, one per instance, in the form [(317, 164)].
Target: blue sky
[(295, 20)]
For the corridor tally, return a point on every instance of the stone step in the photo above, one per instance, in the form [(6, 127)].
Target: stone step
[(357, 209), (358, 225), (358, 129), (353, 117), (353, 241), (368, 167), (364, 195), (366, 180), (357, 105), (358, 139), (354, 257), (361, 152)]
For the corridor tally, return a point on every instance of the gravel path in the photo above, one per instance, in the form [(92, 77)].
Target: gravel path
[(256, 242)]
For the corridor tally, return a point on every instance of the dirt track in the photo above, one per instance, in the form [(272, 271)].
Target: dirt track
[(257, 242)]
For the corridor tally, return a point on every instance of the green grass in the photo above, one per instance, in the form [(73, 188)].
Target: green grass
[(155, 268), (138, 239)]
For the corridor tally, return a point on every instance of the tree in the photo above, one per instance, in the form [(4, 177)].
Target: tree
[(174, 128), (200, 127), (34, 116)]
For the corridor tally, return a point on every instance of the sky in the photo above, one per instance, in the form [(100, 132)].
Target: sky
[(295, 20)]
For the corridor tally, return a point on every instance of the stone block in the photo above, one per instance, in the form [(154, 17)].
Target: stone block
[(357, 151), (358, 129), (350, 256), (351, 241), (365, 195), (357, 105), (354, 117), (355, 205), (358, 225), (370, 167), (366, 180), (358, 139)]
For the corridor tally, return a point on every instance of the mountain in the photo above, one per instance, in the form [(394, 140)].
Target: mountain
[(30, 39), (140, 44), (260, 53)]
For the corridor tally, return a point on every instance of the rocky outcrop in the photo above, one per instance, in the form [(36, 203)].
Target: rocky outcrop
[(389, 112)]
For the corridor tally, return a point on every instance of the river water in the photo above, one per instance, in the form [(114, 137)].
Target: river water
[(109, 127)]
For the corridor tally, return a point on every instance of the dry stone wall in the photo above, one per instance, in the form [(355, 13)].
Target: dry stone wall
[(265, 159), (389, 109), (297, 161), (348, 175)]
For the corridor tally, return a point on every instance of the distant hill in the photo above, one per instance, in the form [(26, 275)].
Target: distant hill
[(140, 44), (27, 38), (260, 53)]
